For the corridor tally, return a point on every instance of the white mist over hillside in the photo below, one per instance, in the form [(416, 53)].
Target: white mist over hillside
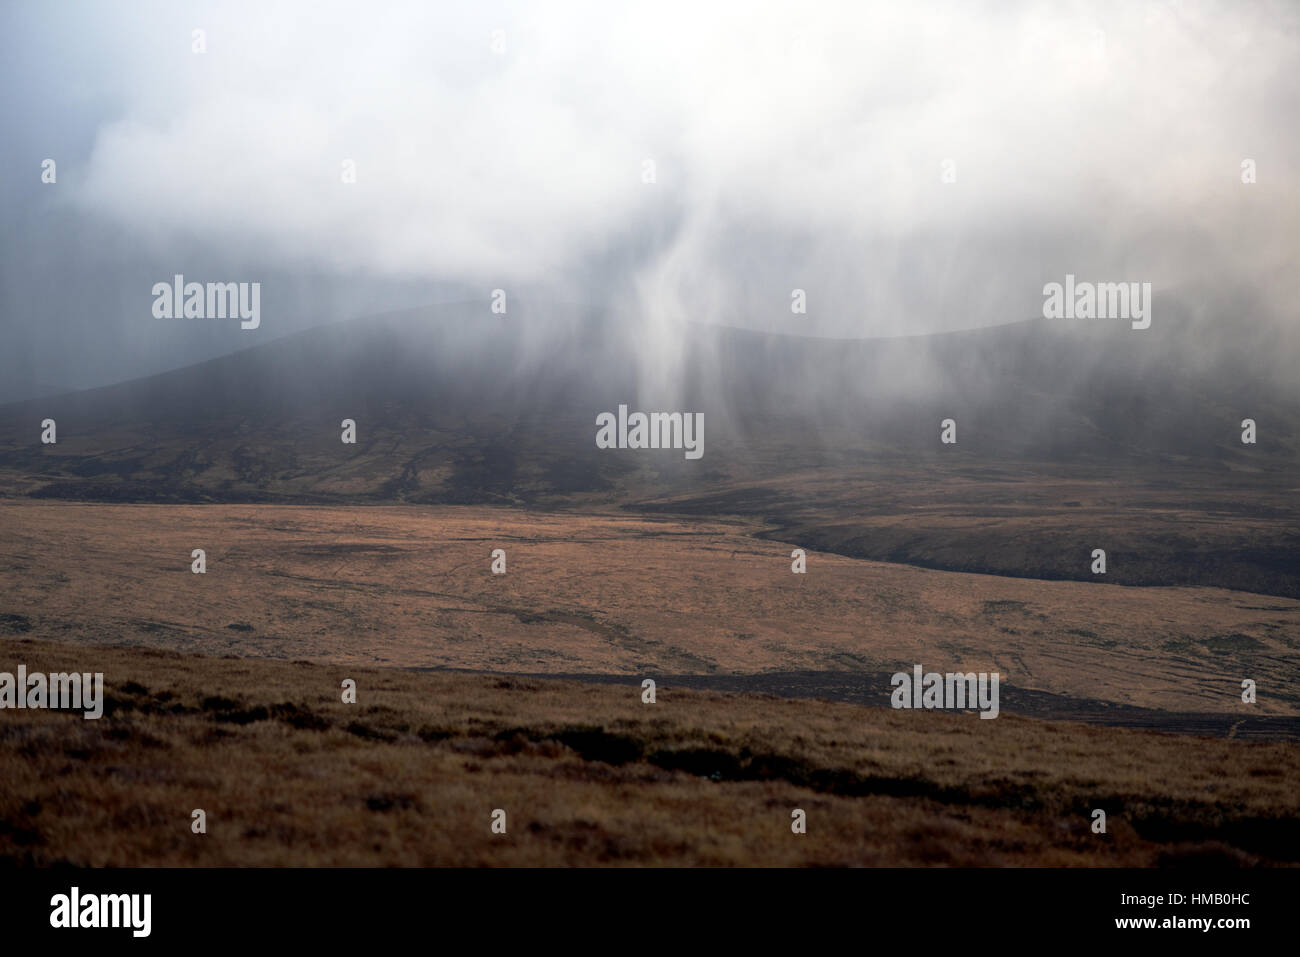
[(912, 168)]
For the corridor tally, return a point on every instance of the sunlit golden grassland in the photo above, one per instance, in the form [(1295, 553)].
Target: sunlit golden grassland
[(410, 586), (590, 775)]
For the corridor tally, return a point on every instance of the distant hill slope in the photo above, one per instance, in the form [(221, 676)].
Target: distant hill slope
[(455, 405), (1069, 437)]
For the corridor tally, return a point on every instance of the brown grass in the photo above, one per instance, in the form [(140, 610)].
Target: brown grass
[(289, 775), (411, 586)]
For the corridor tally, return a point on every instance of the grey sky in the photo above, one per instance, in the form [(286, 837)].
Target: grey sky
[(794, 145)]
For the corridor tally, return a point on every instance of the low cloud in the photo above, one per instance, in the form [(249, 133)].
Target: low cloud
[(793, 146)]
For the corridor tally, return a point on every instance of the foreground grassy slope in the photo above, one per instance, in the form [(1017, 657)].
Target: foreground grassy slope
[(410, 775)]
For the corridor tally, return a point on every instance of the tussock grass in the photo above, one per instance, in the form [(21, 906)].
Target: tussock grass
[(588, 775)]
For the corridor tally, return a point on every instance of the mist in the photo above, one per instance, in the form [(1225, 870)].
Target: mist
[(913, 169)]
